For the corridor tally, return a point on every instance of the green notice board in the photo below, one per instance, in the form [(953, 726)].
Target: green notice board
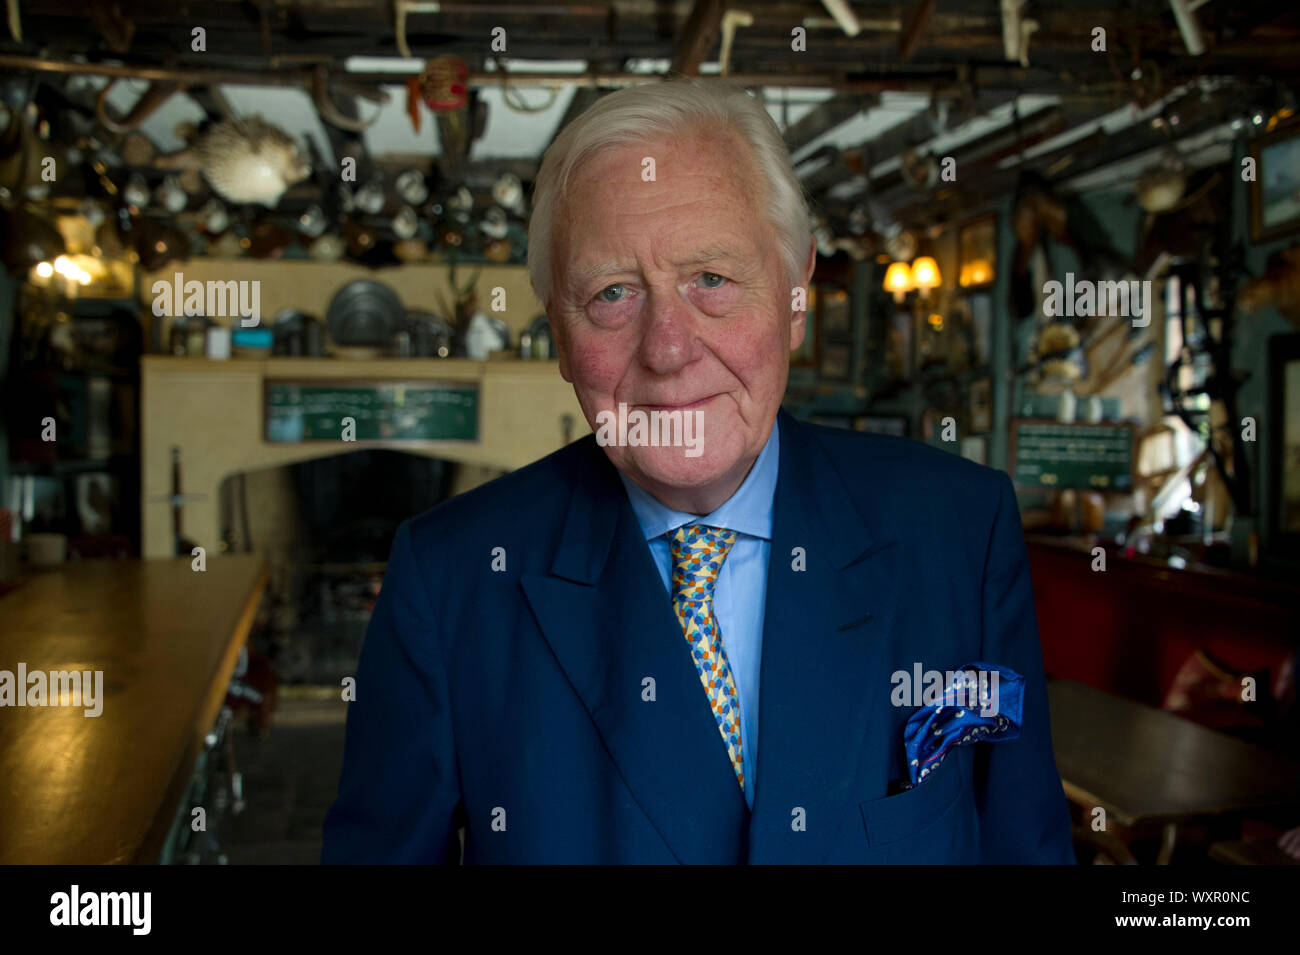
[(381, 411), (1052, 454)]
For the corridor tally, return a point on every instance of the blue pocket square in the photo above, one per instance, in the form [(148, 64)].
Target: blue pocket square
[(981, 702)]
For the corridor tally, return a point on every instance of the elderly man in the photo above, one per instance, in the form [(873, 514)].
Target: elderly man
[(697, 651)]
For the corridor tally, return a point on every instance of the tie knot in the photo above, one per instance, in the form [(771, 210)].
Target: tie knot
[(698, 552)]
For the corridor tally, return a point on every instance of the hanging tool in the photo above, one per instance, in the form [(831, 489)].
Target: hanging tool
[(320, 95), (153, 97)]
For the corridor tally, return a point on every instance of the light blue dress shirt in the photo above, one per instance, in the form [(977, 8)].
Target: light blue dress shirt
[(740, 594)]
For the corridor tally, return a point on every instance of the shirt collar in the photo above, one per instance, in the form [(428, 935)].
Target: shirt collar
[(748, 511)]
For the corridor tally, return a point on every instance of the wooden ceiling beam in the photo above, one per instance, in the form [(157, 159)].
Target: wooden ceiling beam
[(1068, 161), (976, 157), (911, 133), (825, 117), (1264, 41), (918, 17), (584, 97), (699, 36)]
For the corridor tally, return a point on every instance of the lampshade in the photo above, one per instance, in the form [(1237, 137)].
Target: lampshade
[(976, 272), (898, 279), (925, 273)]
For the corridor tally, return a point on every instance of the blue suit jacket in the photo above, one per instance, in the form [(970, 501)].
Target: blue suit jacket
[(514, 702)]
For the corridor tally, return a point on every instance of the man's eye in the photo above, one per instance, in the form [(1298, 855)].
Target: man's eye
[(711, 280), (612, 293)]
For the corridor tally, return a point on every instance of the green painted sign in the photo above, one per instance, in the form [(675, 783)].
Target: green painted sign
[(379, 411), (1093, 456)]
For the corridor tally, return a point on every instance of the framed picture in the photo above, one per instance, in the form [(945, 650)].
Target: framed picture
[(977, 252), (981, 323), (1275, 192), (836, 361), (1284, 477), (899, 358), (835, 317), (805, 356)]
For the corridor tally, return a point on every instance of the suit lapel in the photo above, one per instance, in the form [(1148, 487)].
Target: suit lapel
[(821, 640), (603, 610)]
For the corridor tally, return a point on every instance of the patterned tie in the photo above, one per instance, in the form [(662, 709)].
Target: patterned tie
[(698, 552)]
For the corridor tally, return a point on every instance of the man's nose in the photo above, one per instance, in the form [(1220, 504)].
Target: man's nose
[(669, 339)]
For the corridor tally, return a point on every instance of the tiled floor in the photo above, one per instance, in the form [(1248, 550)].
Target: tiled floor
[(290, 779)]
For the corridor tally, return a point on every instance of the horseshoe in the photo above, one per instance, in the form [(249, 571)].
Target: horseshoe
[(329, 112)]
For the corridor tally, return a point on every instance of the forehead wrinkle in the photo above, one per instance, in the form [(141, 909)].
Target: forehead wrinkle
[(716, 254), (611, 266), (744, 205), (603, 268)]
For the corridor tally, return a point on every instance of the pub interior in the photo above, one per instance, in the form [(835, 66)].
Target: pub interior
[(1059, 240)]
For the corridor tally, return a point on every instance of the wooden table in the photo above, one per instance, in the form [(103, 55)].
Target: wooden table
[(91, 790), (1250, 852), (1148, 768)]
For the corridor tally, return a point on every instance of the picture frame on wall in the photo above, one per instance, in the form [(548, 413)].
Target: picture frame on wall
[(980, 305), (1283, 532), (899, 358), (977, 252), (835, 316), (1275, 191), (836, 361)]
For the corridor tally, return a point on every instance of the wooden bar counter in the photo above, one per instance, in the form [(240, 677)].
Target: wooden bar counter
[(84, 789)]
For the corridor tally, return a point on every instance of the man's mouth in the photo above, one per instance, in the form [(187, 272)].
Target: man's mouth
[(688, 406)]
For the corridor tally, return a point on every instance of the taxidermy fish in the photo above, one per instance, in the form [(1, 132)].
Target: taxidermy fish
[(245, 160)]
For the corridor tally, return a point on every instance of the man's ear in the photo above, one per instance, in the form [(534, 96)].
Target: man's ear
[(799, 319)]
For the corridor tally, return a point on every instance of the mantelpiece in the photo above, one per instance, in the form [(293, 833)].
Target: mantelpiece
[(213, 411)]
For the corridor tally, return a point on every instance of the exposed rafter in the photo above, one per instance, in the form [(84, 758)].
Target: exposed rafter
[(918, 17), (825, 117), (699, 36)]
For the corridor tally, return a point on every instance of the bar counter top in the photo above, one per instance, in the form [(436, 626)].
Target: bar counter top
[(94, 789)]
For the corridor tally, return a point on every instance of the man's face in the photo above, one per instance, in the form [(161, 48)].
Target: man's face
[(672, 295)]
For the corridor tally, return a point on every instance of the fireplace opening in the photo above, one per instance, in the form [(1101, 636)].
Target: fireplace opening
[(326, 527)]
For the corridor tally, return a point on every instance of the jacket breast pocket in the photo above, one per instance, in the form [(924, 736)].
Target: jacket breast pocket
[(939, 813)]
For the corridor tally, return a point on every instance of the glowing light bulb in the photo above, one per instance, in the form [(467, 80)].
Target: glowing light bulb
[(898, 279), (925, 273), (44, 269)]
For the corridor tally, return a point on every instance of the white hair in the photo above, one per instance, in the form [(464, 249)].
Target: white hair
[(668, 110)]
